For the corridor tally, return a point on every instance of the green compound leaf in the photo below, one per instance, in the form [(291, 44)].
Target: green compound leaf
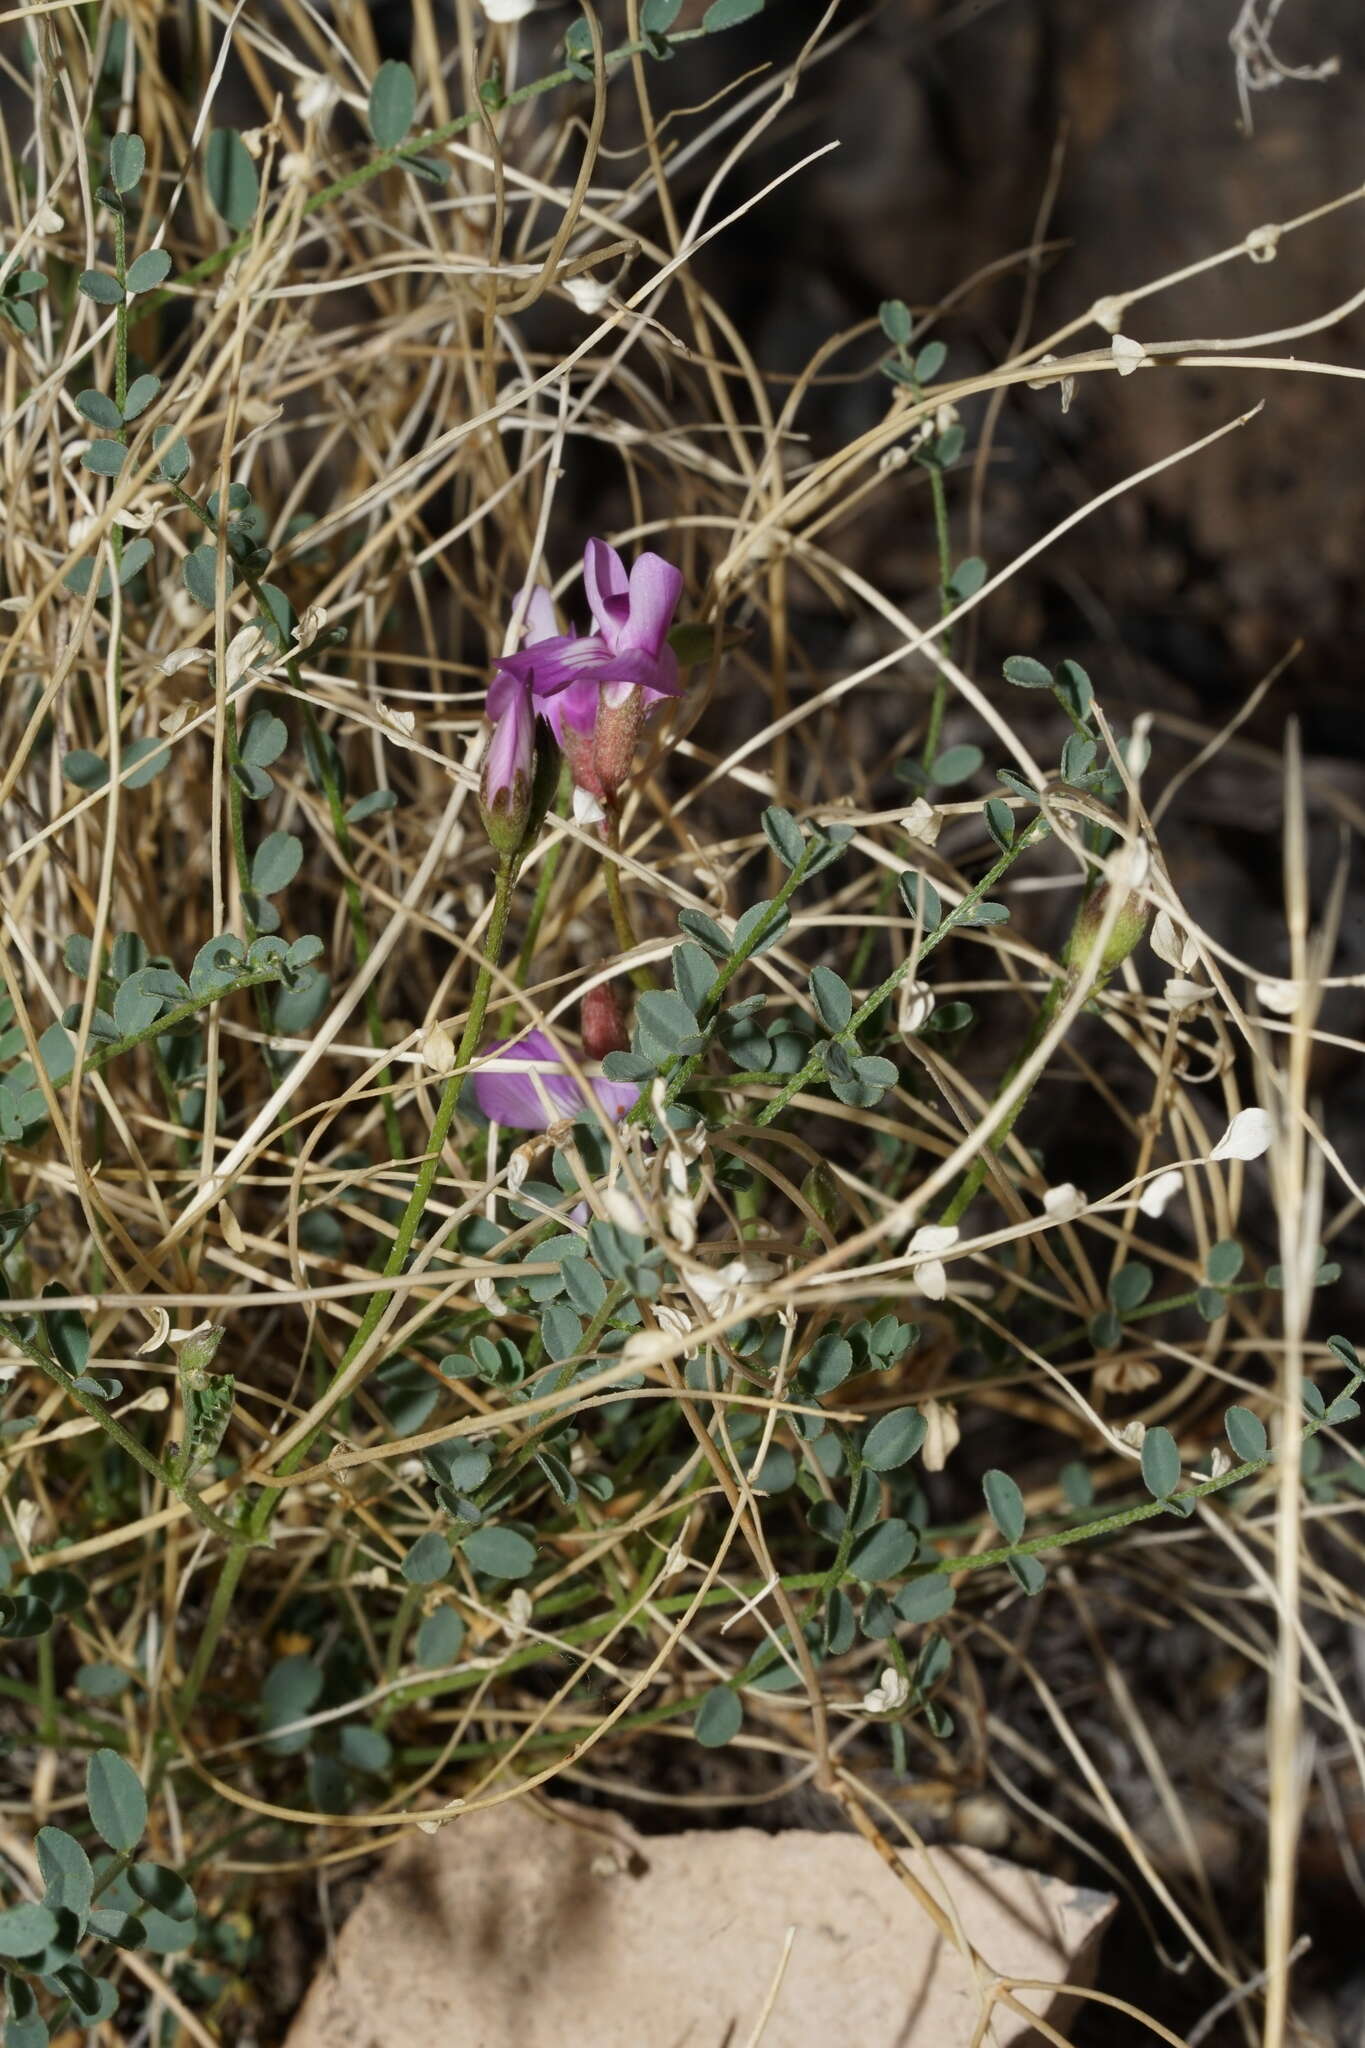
[(1246, 1434), (928, 363), (501, 1553), (1026, 673), (719, 1717), (136, 556), (148, 270), (230, 175), (277, 860), (926, 1599), (99, 410), (174, 451), (104, 458), (393, 103), (439, 1639), (1160, 1463), (162, 1888), (884, 1552), (1130, 1286), (372, 805), (141, 392), (783, 834), (135, 1005), (264, 740), (832, 998), (957, 764), (117, 1802), (921, 900), (65, 1869), (99, 286), (896, 322), (101, 1681), (894, 1440), (127, 161), (1027, 1573), (1006, 1504), (1224, 1262), (429, 1559), (705, 931), (26, 1930)]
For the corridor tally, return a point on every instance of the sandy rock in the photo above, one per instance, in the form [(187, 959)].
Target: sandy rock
[(511, 1929)]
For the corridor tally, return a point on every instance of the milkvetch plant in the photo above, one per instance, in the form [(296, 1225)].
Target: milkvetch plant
[(580, 1176)]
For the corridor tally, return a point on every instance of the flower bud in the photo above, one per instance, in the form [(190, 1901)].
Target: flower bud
[(520, 770), (1125, 932), (604, 1022), (505, 791)]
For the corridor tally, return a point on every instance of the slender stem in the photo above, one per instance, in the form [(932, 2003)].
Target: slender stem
[(976, 1173), (355, 906), (641, 975), (252, 977), (540, 903), (763, 929), (217, 1615), (393, 1266), (814, 1066), (433, 138), (116, 1432), (939, 700), (360, 937), (440, 1129)]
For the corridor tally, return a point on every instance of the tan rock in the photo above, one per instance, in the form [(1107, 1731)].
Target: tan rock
[(510, 1929)]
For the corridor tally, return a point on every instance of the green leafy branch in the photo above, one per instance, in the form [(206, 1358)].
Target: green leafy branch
[(959, 917)]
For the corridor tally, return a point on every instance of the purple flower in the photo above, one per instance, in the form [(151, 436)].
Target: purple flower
[(509, 767), (594, 689), (539, 1091)]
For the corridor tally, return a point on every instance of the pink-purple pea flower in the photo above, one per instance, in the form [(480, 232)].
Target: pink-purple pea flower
[(534, 1089), (594, 690)]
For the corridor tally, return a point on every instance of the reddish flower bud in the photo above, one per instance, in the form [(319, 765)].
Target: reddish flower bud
[(605, 1028)]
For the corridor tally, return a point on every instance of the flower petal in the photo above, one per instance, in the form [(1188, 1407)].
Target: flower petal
[(531, 1089), (552, 665), (541, 623), (608, 586), (655, 587), (617, 1098), (511, 750), (531, 1094)]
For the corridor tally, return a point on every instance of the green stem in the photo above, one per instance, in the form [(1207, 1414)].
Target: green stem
[(393, 1266), (47, 1693), (540, 904), (641, 975), (355, 905), (116, 1431), (814, 1066), (360, 937), (939, 700), (433, 138), (976, 1173), (681, 1073), (219, 1607)]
